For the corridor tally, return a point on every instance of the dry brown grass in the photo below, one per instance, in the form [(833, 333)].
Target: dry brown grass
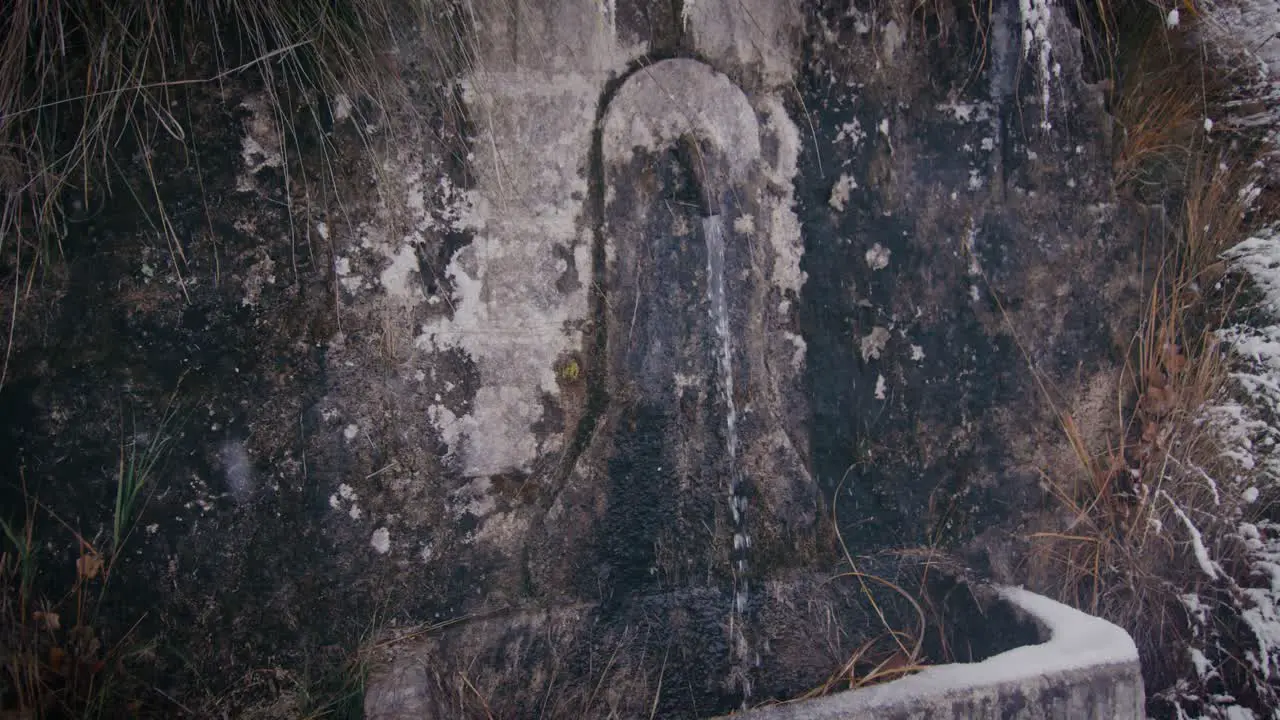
[(56, 663), (1159, 99), (1134, 505), (1123, 552), (895, 651), (91, 93)]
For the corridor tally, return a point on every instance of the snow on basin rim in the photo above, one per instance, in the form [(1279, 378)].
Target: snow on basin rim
[(1076, 641)]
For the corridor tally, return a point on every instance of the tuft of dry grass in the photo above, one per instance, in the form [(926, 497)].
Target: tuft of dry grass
[(1133, 507), (92, 92), (894, 653), (1159, 99), (1139, 506), (57, 663)]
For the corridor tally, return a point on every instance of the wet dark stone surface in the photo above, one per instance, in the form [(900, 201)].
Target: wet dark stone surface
[(934, 461)]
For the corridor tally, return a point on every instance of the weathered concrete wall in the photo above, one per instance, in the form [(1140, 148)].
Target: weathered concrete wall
[(384, 391), (1086, 669)]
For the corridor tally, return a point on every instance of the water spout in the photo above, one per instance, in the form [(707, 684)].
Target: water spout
[(713, 231)]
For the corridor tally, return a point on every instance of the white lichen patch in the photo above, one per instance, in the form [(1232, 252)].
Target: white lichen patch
[(350, 432), (398, 277), (380, 541), (350, 282), (797, 358), (259, 276), (758, 35), (850, 133), (346, 498), (917, 353), (341, 107), (877, 257), (743, 225), (684, 382), (508, 314), (840, 192), (475, 498), (237, 469), (260, 147), (784, 227), (881, 387), (873, 343), (966, 111), (891, 40)]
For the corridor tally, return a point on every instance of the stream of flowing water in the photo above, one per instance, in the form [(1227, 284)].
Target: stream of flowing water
[(713, 231)]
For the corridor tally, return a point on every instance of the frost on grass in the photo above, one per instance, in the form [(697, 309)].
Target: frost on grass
[(1243, 35), (1243, 594), (1248, 27), (1207, 566)]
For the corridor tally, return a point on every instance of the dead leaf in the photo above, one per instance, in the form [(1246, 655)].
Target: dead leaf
[(50, 620), (84, 643), (896, 664), (1156, 379), (1151, 435), (89, 565), (1158, 401), (1174, 360), (57, 659), (1213, 273)]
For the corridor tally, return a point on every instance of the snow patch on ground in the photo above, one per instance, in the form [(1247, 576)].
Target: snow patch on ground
[(1240, 422), (1248, 27)]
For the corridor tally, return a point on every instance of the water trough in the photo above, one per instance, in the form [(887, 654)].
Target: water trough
[(1084, 668)]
